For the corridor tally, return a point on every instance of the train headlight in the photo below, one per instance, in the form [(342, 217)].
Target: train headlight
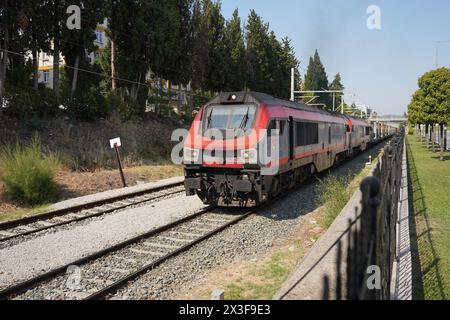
[(191, 155), (249, 156)]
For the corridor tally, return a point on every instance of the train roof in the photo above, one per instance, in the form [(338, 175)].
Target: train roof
[(239, 97), (230, 98)]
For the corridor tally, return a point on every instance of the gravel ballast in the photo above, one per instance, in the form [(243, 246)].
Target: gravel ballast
[(52, 250), (244, 241)]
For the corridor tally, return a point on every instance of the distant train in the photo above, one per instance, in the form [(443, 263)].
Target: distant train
[(245, 148)]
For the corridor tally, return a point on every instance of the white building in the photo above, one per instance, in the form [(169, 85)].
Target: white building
[(46, 60)]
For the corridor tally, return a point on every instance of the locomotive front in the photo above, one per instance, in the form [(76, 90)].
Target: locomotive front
[(221, 160)]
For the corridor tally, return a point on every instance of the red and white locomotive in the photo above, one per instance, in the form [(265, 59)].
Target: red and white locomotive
[(246, 147)]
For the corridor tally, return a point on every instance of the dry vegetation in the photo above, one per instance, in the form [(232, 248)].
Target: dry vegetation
[(88, 165), (84, 146)]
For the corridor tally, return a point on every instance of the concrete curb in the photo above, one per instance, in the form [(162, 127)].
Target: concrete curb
[(403, 266), (111, 195)]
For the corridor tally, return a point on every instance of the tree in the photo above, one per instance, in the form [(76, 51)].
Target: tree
[(430, 104), (33, 26), (316, 79), (235, 75), (336, 85), (8, 22), (287, 61), (258, 54), (215, 24), (76, 43)]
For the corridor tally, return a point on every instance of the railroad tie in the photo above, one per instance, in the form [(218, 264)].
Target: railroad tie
[(45, 223), (76, 215), (187, 234), (205, 224), (196, 229), (6, 234), (117, 270), (26, 228), (132, 261), (162, 246), (216, 220), (146, 253), (175, 239), (61, 219), (103, 282)]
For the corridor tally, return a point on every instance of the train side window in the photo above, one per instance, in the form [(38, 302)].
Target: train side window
[(282, 126), (306, 133)]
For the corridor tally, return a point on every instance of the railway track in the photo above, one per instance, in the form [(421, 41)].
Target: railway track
[(106, 271), (34, 224)]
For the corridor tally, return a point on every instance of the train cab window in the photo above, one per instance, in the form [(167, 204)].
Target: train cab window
[(230, 117), (272, 126)]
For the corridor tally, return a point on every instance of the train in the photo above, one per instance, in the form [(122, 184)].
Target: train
[(245, 148)]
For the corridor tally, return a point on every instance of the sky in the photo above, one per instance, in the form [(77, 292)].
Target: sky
[(379, 68)]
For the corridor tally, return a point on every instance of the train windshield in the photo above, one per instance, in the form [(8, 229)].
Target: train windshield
[(230, 117)]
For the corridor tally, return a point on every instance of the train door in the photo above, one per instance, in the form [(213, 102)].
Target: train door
[(291, 139)]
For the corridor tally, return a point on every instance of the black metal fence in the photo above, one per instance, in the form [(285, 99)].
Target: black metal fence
[(364, 269)]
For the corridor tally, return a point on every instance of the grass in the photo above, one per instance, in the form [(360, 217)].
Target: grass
[(28, 174), (23, 213), (334, 193), (263, 280), (429, 183)]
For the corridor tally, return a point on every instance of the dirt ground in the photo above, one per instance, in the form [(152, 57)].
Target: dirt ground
[(76, 184)]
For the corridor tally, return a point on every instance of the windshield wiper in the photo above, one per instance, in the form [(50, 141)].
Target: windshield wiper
[(208, 121), (245, 119)]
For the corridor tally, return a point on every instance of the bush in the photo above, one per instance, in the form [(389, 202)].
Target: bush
[(28, 174), (25, 102), (333, 193)]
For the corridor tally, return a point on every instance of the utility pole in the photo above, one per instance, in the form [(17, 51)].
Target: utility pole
[(113, 68), (292, 84)]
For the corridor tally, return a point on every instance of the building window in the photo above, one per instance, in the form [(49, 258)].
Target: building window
[(99, 36), (46, 76)]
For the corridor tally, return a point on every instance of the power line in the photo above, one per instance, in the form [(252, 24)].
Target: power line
[(101, 74)]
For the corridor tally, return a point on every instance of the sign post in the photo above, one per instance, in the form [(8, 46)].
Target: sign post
[(115, 144)]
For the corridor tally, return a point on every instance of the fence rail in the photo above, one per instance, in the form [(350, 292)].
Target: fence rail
[(365, 266)]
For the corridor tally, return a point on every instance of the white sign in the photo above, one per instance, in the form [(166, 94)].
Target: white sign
[(115, 143)]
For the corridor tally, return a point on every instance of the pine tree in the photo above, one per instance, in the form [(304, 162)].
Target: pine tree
[(337, 85), (258, 58), (235, 73), (316, 79), (215, 22)]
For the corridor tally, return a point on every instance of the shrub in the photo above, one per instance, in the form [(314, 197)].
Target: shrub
[(333, 193), (26, 102), (28, 174)]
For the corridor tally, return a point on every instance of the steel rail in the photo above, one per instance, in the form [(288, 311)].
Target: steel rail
[(123, 281), (24, 285), (21, 287), (33, 219), (84, 206)]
